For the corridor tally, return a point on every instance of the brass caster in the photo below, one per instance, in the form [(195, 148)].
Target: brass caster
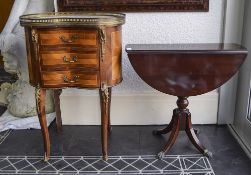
[(207, 153), (46, 158), (160, 155), (105, 157)]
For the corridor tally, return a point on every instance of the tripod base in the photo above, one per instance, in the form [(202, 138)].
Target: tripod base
[(181, 121)]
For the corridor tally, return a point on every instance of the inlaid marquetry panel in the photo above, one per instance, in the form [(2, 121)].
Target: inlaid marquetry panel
[(116, 55), (70, 79), (65, 60), (57, 37)]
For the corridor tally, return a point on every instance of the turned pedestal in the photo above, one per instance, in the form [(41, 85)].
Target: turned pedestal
[(181, 121)]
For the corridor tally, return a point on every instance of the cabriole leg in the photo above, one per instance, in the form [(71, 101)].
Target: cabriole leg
[(105, 100), (40, 99), (109, 110), (57, 93)]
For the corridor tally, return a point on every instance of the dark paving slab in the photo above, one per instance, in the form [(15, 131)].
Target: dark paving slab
[(228, 157)]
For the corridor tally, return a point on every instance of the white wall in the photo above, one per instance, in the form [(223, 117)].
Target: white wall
[(232, 33), (133, 99), (241, 125)]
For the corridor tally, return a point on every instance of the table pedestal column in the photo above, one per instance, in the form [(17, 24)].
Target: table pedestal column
[(181, 121)]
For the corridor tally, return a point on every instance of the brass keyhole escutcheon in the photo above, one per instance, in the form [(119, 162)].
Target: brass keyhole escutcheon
[(75, 79), (74, 59), (72, 39)]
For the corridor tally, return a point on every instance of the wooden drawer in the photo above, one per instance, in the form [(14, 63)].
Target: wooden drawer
[(77, 37), (59, 79), (64, 60)]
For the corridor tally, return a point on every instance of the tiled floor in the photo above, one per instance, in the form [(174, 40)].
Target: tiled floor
[(228, 157)]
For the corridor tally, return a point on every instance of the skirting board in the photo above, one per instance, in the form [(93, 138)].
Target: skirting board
[(135, 109)]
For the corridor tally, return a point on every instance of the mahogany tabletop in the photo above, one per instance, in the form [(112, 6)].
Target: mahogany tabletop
[(186, 69), (206, 47)]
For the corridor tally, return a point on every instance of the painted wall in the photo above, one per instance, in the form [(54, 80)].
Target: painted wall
[(133, 94), (242, 125), (233, 25)]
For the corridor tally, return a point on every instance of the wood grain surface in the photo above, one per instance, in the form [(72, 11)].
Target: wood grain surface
[(134, 5)]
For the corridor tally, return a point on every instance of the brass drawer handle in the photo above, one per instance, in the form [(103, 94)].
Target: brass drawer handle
[(70, 40), (73, 80), (74, 59)]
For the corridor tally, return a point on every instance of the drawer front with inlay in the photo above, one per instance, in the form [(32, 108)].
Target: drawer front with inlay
[(70, 79), (59, 37), (60, 59)]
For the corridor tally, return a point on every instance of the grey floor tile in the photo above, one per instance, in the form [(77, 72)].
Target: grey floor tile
[(228, 157)]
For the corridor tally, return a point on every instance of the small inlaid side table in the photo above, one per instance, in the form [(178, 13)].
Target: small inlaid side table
[(185, 70), (73, 50)]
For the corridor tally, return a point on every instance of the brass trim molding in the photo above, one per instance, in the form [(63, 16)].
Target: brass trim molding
[(34, 36), (102, 42), (105, 93), (72, 18)]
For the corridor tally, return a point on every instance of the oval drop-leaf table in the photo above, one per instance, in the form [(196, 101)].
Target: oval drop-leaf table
[(185, 70)]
